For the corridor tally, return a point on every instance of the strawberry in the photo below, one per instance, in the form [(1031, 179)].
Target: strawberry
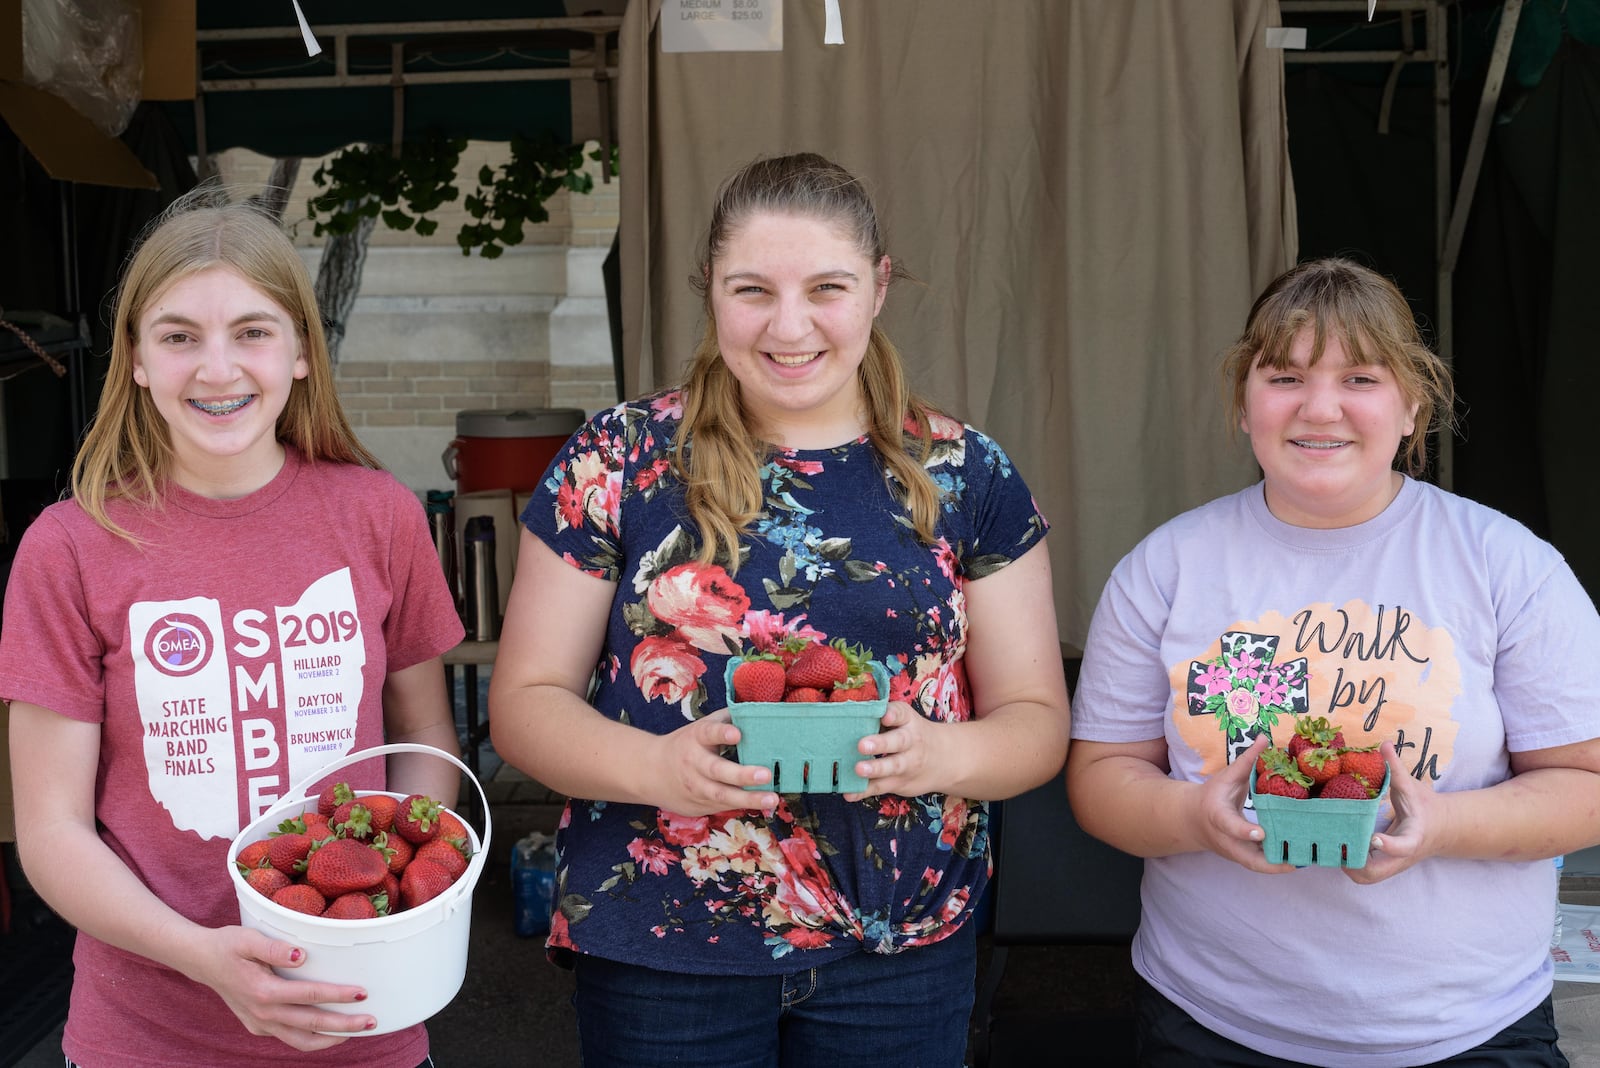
[(805, 693), (301, 898), (417, 819), (861, 688), (822, 666), (1284, 784), (333, 796), (423, 881), (1319, 765), (1347, 786), (790, 648), (452, 828), (383, 809), (758, 679), (389, 888), (267, 881), (397, 852), (253, 855), (449, 857), (1365, 764), (317, 827), (353, 819), (352, 906), (339, 865), (287, 852), (1314, 733)]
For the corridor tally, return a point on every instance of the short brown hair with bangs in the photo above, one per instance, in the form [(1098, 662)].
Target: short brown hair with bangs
[(1369, 316)]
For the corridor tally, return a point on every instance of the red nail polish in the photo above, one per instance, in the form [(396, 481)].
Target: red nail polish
[(294, 956), (361, 996)]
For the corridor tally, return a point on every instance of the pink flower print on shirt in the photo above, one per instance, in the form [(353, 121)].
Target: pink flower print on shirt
[(767, 631), (682, 830), (591, 492), (1242, 704), (1244, 666), (653, 858), (703, 603), (667, 406), (1214, 679), (666, 668), (1246, 691)]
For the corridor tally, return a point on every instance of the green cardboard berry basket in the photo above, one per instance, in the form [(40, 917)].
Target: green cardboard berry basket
[(1333, 832), (809, 746)]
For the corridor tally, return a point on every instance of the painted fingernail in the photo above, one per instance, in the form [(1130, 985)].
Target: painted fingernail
[(370, 1025), (294, 956), (361, 996)]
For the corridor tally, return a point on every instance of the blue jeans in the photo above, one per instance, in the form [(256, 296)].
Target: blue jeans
[(908, 1010)]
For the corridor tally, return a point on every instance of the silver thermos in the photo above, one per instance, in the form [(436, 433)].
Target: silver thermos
[(482, 587), (442, 524)]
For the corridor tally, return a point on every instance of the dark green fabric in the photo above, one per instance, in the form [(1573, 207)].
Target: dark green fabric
[(1528, 315), (315, 122)]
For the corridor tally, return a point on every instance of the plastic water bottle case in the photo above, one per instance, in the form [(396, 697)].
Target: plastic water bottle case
[(533, 883)]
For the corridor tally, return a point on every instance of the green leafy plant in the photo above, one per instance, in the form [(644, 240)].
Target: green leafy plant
[(512, 196), (370, 181)]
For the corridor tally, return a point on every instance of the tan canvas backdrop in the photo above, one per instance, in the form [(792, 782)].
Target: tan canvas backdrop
[(1089, 192)]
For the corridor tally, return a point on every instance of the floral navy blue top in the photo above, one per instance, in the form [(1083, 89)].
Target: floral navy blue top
[(834, 555)]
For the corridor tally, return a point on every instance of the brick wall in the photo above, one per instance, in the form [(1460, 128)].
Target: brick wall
[(434, 332)]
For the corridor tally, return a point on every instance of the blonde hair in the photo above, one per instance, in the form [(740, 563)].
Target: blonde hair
[(718, 458), (127, 451), (1370, 317)]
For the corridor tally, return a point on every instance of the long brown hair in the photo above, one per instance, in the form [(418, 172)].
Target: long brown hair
[(127, 451), (718, 458), (1369, 316)]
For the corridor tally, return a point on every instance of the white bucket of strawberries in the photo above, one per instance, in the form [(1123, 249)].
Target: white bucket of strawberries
[(375, 887)]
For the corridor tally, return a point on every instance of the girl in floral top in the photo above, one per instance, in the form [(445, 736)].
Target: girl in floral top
[(791, 489)]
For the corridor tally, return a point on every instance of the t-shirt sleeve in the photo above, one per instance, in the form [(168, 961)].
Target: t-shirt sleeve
[(1123, 691), (988, 506), (50, 654), (1546, 668), (576, 509), (422, 621)]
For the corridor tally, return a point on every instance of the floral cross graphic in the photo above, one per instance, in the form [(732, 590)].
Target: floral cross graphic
[(1245, 690)]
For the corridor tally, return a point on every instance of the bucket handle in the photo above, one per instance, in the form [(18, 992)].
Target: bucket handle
[(475, 865)]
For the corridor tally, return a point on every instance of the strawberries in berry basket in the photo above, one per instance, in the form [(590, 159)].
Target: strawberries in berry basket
[(807, 672), (1315, 759), (354, 862), (1317, 800)]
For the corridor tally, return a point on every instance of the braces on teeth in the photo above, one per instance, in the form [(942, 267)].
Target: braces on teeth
[(221, 409)]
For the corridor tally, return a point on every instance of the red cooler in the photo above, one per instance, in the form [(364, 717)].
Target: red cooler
[(507, 448)]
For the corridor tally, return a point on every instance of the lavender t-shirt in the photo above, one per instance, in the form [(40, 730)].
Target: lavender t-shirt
[(1440, 625)]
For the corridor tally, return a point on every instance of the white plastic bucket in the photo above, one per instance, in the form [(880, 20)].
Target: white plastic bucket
[(412, 963)]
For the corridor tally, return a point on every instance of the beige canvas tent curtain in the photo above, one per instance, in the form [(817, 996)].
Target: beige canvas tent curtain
[(1089, 194)]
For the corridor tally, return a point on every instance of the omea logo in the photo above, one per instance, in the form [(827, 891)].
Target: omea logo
[(178, 645)]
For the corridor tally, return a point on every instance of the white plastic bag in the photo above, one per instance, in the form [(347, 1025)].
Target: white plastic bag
[(1577, 959), (87, 52)]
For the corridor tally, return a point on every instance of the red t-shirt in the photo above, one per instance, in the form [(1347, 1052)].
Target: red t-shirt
[(240, 648)]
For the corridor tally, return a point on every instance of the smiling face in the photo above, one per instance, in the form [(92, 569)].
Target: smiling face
[(218, 357), (793, 298), (1325, 435)]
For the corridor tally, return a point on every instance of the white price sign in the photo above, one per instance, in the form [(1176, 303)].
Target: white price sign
[(722, 25)]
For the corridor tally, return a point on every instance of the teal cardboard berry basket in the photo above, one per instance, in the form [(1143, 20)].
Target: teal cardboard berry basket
[(809, 746), (1331, 832)]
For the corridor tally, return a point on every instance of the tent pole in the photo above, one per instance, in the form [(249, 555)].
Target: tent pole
[(1445, 328)]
